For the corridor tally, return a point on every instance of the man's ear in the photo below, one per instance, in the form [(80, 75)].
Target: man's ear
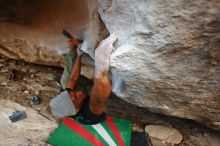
[(72, 95)]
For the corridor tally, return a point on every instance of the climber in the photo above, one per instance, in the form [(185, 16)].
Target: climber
[(71, 101)]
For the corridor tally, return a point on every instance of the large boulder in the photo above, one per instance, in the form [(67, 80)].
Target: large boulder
[(166, 57), (167, 53)]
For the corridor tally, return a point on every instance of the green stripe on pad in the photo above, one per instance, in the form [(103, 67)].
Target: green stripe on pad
[(64, 136), (124, 126)]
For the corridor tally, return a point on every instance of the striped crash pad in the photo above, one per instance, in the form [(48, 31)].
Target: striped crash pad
[(113, 132)]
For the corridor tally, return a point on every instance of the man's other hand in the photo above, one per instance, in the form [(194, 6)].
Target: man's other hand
[(79, 51), (73, 44)]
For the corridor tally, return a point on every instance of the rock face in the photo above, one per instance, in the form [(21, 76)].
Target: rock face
[(32, 30), (33, 128), (166, 56)]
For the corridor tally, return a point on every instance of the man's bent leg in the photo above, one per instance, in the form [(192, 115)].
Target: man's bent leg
[(69, 61)]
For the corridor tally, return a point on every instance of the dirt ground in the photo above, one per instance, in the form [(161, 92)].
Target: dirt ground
[(20, 81)]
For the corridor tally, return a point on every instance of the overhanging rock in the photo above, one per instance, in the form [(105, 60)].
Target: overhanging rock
[(167, 54)]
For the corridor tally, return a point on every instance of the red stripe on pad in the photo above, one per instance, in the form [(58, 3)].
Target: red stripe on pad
[(111, 124), (76, 127)]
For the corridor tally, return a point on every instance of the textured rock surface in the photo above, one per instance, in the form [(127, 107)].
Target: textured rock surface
[(168, 55), (31, 30), (167, 52), (165, 134), (20, 80), (34, 127)]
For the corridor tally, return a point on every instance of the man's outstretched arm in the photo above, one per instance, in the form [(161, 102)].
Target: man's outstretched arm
[(100, 93), (75, 74), (76, 69), (101, 89)]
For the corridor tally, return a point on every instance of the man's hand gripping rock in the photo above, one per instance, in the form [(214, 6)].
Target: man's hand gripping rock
[(102, 56)]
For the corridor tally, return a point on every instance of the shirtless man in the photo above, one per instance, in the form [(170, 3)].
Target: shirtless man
[(71, 102)]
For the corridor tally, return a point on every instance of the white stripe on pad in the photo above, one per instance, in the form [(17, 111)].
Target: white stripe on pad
[(103, 133)]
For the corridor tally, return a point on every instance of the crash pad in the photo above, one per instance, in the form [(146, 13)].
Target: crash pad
[(113, 131)]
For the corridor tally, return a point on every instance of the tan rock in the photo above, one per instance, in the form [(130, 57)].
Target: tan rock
[(165, 134), (33, 31), (26, 92), (4, 83), (36, 92)]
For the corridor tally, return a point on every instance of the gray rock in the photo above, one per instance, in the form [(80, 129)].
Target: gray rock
[(167, 54)]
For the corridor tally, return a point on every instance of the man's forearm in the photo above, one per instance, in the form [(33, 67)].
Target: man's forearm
[(75, 74), (99, 94)]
